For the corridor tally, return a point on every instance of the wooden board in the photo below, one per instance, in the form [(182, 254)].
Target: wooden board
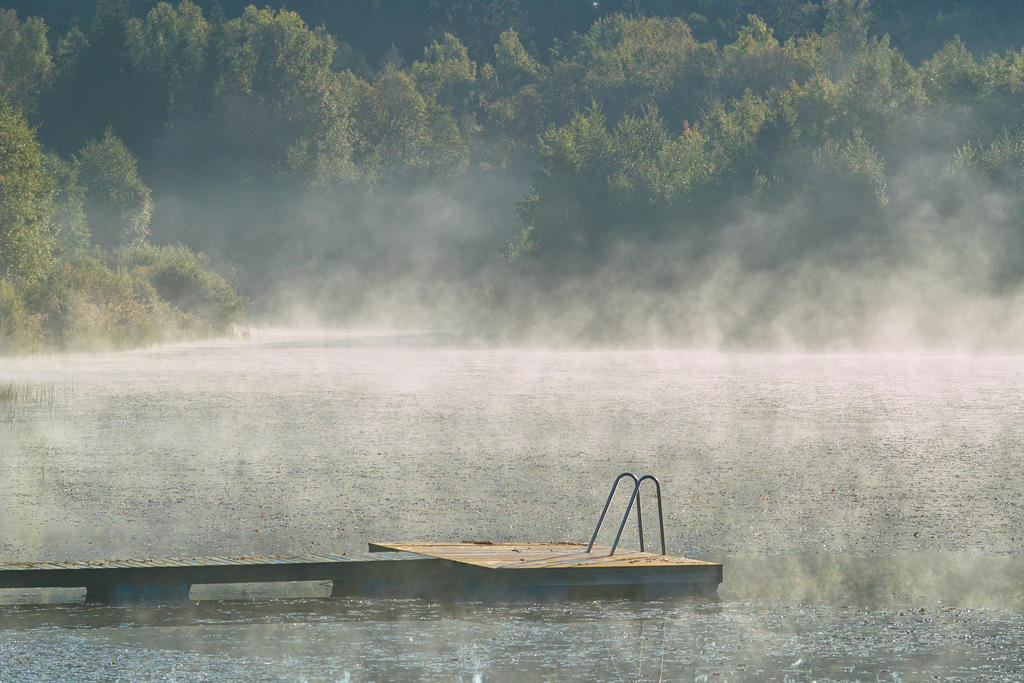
[(537, 555)]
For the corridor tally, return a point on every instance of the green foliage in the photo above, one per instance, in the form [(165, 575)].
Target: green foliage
[(574, 161), (446, 73), (952, 75), (117, 203), (808, 112), (879, 91), (68, 51), (1001, 162), (985, 96), (80, 300), (512, 105), (626, 64), (756, 61), (98, 88), (513, 66), (25, 62), (404, 134), (67, 222), (272, 56), (26, 200), (171, 44), (85, 304), (272, 83), (847, 23), (20, 331), (596, 187), (855, 167), (98, 300), (479, 22), (735, 132), (187, 281)]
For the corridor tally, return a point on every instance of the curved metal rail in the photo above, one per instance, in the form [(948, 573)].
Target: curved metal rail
[(607, 504), (635, 497)]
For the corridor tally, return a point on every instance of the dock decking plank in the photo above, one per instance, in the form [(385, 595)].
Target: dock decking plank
[(539, 555)]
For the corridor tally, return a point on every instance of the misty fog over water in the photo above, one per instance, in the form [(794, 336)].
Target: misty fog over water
[(866, 506)]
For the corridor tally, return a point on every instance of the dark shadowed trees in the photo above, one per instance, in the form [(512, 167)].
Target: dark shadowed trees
[(26, 66)]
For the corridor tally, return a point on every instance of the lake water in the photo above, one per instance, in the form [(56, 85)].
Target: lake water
[(867, 508)]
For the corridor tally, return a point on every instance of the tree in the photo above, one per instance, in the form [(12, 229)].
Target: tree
[(446, 73), (99, 87), (565, 214), (846, 25), (478, 23), (170, 44), (636, 183), (117, 203), (513, 65), (513, 113), (273, 84), (853, 170), (26, 200), (25, 63), (756, 61), (626, 64), (879, 91), (404, 133), (68, 222), (272, 56), (734, 134), (20, 330), (952, 76)]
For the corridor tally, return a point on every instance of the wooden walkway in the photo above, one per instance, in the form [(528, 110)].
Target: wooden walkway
[(169, 579), (435, 571)]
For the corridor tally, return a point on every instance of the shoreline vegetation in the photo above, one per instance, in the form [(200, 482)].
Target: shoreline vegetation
[(65, 284), (810, 173)]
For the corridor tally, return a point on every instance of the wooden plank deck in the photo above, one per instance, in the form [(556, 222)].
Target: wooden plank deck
[(537, 555), (564, 570), (433, 571), (253, 568)]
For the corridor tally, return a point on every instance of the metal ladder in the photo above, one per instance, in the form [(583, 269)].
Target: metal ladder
[(637, 481)]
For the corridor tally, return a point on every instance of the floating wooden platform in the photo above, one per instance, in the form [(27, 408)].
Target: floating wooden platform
[(436, 571), (484, 570)]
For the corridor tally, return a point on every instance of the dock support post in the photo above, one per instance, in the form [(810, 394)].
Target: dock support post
[(341, 588)]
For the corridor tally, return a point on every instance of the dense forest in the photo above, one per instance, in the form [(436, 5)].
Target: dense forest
[(830, 173)]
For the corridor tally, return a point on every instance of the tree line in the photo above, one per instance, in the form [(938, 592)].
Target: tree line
[(638, 121)]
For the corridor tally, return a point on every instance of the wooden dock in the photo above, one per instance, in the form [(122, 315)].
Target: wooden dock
[(435, 571), (485, 570), (168, 580)]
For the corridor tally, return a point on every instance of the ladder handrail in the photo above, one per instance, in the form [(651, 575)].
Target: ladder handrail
[(661, 517), (607, 503), (635, 497)]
